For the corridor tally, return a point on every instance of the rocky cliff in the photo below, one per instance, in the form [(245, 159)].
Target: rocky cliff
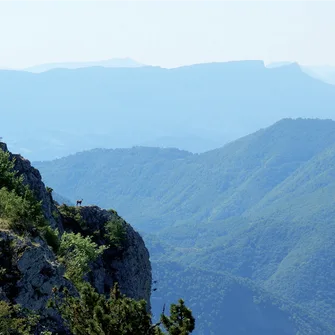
[(127, 263), (30, 269)]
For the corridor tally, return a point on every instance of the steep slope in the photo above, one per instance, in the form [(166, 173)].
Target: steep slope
[(259, 208), (166, 187), (324, 73), (122, 107), (30, 263), (297, 194), (224, 304)]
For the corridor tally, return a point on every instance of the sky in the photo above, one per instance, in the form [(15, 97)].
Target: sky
[(166, 33)]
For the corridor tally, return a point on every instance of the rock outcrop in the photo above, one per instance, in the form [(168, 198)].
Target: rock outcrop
[(30, 271), (127, 264), (29, 268)]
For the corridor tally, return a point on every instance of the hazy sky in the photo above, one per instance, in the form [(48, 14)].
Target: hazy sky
[(166, 33)]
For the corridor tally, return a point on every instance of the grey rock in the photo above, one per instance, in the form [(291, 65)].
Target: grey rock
[(40, 273), (129, 265), (32, 269), (32, 272)]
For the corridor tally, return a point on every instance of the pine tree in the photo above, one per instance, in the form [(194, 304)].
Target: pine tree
[(93, 314), (180, 322)]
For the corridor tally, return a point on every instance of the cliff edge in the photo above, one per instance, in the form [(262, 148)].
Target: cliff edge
[(30, 268)]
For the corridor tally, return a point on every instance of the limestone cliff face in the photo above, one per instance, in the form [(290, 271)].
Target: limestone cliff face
[(127, 264), (32, 269)]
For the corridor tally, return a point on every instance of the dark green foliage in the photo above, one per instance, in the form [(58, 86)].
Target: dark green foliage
[(73, 213), (8, 176), (93, 314), (13, 321), (12, 211), (19, 205), (115, 233), (51, 237), (19, 209), (180, 321), (113, 211), (49, 189), (77, 252)]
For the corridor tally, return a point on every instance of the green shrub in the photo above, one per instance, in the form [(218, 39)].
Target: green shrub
[(8, 176), (94, 314), (19, 209), (115, 232), (15, 210), (49, 189), (14, 322), (113, 211), (77, 252), (180, 321), (51, 237)]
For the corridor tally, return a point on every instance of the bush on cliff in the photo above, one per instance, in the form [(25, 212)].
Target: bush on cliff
[(14, 322), (94, 314), (19, 209), (77, 252)]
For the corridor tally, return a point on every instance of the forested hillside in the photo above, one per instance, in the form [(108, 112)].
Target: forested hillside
[(179, 187), (260, 209)]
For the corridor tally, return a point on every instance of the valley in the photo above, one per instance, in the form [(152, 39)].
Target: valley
[(258, 212)]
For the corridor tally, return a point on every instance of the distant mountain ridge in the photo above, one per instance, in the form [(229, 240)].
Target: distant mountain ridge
[(114, 62), (325, 73), (122, 107)]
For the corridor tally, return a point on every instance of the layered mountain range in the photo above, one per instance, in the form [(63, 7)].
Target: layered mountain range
[(245, 231), (195, 108)]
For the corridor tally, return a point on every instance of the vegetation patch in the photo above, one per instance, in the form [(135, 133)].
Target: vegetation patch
[(72, 213), (94, 314), (19, 209), (77, 252), (15, 321), (115, 232)]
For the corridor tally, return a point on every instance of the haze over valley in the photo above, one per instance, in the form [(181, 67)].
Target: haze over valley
[(253, 216), (167, 168), (195, 108)]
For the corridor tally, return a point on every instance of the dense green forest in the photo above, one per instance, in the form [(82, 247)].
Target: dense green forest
[(260, 209)]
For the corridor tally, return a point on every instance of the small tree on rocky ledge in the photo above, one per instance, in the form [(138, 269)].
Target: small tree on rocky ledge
[(180, 321)]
